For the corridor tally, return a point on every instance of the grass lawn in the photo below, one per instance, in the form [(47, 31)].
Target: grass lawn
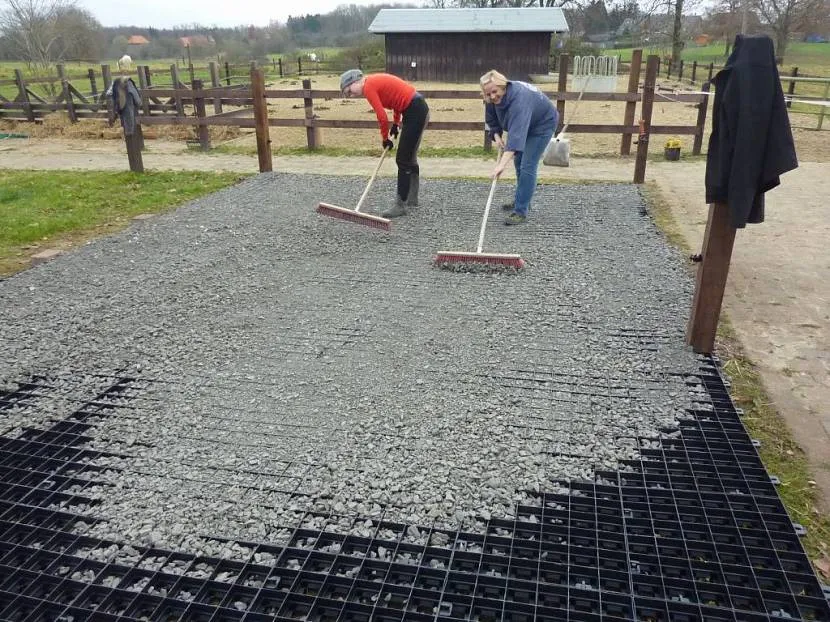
[(60, 209)]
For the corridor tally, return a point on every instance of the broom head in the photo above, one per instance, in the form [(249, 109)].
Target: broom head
[(351, 215), (458, 260)]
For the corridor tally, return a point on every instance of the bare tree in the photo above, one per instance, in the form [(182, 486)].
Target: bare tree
[(42, 32), (782, 17)]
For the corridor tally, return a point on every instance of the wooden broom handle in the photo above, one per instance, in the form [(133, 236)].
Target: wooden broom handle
[(371, 179), (487, 207)]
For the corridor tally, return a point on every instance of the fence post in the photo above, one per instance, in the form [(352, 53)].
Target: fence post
[(312, 133), (199, 107), (631, 107), (711, 71), (23, 95), (645, 121), (823, 108), (93, 87), (227, 73), (174, 75), (680, 71), (694, 72), (67, 94), (488, 142), (299, 66), (148, 76), (279, 61), (562, 88), (215, 83), (134, 144), (263, 140), (791, 89), (143, 86), (702, 107), (668, 68)]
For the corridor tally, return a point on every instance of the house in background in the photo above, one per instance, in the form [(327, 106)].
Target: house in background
[(459, 45), (135, 43)]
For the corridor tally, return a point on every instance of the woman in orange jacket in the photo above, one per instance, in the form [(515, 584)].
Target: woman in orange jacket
[(410, 116)]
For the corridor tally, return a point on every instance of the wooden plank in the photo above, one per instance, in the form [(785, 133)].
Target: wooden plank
[(313, 137), (710, 282), (563, 87), (702, 109), (23, 95), (93, 87), (199, 106), (106, 75), (143, 86), (174, 76), (77, 94), (263, 137), (645, 122), (631, 106), (215, 83)]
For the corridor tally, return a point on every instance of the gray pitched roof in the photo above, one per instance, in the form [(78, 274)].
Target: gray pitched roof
[(534, 19)]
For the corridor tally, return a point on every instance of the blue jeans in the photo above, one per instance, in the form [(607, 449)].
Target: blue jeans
[(527, 167)]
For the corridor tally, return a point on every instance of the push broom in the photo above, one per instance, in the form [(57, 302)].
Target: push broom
[(354, 215), (455, 260)]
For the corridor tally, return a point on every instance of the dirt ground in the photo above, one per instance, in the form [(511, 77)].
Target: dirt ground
[(777, 295)]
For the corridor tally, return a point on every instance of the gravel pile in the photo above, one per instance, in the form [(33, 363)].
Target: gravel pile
[(288, 363)]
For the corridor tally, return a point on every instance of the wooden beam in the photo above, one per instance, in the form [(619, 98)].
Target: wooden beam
[(23, 95), (631, 106), (645, 121), (263, 137), (710, 282), (312, 130), (563, 87), (702, 109)]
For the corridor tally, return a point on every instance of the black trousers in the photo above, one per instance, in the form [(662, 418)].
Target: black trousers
[(414, 121)]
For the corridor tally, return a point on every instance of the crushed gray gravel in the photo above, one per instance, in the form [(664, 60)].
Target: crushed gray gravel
[(287, 363)]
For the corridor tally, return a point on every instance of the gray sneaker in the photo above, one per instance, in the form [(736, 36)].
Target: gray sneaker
[(508, 207)]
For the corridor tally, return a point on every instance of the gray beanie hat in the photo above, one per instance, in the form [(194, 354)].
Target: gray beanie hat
[(349, 77)]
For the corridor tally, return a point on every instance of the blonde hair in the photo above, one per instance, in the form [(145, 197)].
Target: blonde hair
[(493, 76)]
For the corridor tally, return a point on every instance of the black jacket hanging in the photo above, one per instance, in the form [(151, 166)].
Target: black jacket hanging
[(751, 142)]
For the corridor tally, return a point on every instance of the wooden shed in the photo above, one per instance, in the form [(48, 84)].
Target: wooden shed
[(459, 45)]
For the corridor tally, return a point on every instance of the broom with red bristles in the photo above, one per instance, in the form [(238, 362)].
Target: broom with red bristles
[(459, 260), (354, 215)]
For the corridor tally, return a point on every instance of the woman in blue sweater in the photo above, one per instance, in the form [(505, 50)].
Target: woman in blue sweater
[(529, 118)]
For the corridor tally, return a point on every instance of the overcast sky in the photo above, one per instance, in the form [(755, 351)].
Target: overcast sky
[(167, 13)]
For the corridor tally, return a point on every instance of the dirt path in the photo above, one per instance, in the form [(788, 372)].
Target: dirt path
[(777, 292)]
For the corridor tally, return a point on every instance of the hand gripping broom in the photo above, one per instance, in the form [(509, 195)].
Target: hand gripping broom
[(354, 215), (458, 260)]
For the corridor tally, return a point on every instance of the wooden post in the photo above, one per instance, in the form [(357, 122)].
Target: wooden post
[(668, 68), (312, 133), (135, 143), (174, 76), (711, 71), (702, 107), (227, 73), (93, 87), (67, 94), (645, 121), (299, 66), (263, 139), (279, 62), (823, 108), (23, 95), (562, 88), (215, 83), (631, 107), (106, 76), (199, 107), (190, 64), (791, 89), (710, 282), (148, 76), (680, 71), (143, 86), (694, 72)]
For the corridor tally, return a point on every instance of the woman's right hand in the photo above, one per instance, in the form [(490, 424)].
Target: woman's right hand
[(499, 141)]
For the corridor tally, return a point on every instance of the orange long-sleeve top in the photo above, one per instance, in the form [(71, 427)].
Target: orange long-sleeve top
[(383, 91)]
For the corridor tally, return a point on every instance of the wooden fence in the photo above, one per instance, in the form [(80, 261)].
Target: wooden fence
[(254, 112)]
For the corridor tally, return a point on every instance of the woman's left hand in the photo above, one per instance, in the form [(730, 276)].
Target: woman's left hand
[(498, 170)]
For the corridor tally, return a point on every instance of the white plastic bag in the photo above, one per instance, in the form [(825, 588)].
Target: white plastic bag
[(558, 152)]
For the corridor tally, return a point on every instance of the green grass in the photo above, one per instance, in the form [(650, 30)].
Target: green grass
[(62, 208), (779, 452)]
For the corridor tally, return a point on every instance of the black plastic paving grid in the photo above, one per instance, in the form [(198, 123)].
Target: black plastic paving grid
[(692, 531)]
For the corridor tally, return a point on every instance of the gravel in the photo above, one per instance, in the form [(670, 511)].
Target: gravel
[(289, 369)]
